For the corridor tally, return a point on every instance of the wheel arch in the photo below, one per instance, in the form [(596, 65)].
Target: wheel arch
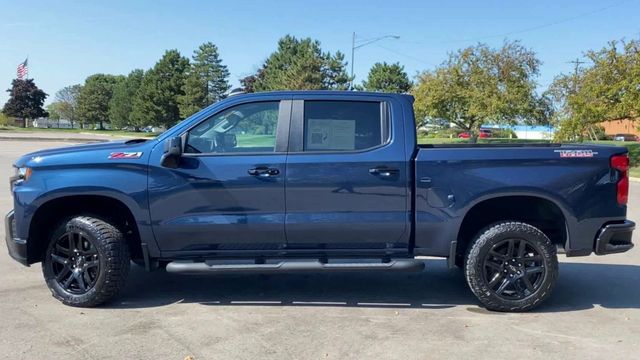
[(542, 212), (52, 211)]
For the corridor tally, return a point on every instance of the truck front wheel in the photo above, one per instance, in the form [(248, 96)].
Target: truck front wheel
[(86, 261), (511, 266)]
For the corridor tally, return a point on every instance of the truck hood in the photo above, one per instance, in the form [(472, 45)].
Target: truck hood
[(95, 153)]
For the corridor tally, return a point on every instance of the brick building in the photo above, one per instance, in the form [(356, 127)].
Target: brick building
[(626, 126)]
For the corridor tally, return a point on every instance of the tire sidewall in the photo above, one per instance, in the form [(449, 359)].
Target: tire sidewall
[(493, 235), (75, 225)]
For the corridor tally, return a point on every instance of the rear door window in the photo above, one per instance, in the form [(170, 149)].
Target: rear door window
[(344, 125)]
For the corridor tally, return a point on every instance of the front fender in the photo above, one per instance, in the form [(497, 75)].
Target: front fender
[(126, 183)]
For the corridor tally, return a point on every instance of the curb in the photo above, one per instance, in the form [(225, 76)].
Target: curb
[(29, 138), (634, 179)]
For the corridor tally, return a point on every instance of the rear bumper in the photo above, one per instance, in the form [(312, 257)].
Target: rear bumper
[(615, 238), (17, 247)]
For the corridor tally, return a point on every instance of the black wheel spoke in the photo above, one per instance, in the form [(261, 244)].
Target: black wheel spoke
[(62, 250), (497, 278), (493, 265), (497, 255), (90, 251), (534, 270), (63, 273), (503, 286), (519, 289), (80, 281), (87, 278), (511, 268), (59, 259), (511, 247), (528, 284), (522, 248), (536, 258), (75, 262), (69, 280)]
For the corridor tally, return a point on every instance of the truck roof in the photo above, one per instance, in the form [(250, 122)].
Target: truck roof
[(327, 92)]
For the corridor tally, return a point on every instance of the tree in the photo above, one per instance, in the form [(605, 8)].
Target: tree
[(4, 120), (94, 97), (301, 65), (52, 109), (480, 84), (248, 82), (207, 81), (67, 100), (607, 90), (25, 100), (120, 105), (157, 99), (387, 78)]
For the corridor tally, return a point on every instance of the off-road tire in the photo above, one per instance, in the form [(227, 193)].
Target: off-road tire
[(113, 261), (484, 244)]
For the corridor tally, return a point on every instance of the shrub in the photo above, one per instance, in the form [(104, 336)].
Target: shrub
[(4, 120)]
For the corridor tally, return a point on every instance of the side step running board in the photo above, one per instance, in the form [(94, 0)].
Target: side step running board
[(189, 267)]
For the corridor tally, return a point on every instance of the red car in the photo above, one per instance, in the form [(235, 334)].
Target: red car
[(483, 134)]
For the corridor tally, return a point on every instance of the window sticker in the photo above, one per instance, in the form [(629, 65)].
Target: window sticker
[(330, 134)]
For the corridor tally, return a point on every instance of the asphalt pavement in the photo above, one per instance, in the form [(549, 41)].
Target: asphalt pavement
[(594, 312)]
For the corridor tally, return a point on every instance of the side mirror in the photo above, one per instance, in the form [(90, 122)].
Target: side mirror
[(172, 152)]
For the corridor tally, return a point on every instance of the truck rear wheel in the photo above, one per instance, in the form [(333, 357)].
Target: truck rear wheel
[(86, 261), (511, 266)]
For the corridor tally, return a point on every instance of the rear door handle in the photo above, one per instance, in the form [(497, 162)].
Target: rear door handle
[(384, 171), (263, 171)]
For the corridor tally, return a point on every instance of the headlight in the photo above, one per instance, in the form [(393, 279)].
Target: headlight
[(21, 174)]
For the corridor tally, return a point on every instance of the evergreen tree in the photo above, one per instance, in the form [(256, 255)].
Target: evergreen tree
[(387, 78), (301, 65), (207, 81), (120, 105), (94, 97), (157, 100)]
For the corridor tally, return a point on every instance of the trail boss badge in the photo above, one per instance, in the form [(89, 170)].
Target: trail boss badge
[(576, 153)]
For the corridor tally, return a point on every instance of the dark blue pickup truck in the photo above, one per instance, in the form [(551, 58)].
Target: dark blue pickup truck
[(315, 181)]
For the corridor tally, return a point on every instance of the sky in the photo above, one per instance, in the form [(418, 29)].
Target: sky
[(66, 41)]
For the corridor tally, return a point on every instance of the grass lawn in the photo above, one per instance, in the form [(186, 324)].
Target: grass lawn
[(427, 140), (247, 140), (634, 172), (78, 131)]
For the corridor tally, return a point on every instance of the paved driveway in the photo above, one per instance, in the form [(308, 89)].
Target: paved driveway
[(594, 312)]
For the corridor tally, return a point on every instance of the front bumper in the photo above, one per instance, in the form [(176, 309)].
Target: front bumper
[(615, 238), (17, 247)]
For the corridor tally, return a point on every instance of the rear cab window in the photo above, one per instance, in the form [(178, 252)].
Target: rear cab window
[(345, 125)]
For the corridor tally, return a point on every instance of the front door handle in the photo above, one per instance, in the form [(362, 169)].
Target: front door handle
[(384, 171), (263, 171)]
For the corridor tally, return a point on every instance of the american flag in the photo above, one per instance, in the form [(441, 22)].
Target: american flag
[(23, 69)]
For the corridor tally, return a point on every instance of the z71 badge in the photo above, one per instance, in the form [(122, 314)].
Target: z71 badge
[(125, 155), (576, 153)]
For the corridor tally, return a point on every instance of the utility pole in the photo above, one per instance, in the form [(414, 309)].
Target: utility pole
[(353, 50), (364, 42), (577, 62)]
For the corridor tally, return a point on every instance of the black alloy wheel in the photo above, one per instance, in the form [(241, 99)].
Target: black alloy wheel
[(514, 269), (75, 262)]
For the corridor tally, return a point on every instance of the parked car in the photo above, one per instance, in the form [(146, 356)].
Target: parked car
[(483, 134), (626, 137), (315, 181)]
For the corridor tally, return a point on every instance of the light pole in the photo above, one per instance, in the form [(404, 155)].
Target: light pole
[(365, 42)]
